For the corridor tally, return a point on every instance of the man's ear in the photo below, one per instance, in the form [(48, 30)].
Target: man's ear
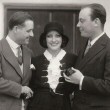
[(97, 21), (15, 28)]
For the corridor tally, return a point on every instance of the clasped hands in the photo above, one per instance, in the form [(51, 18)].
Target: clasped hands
[(73, 75), (26, 92)]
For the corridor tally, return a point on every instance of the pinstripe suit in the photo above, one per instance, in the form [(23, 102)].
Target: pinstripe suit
[(11, 77)]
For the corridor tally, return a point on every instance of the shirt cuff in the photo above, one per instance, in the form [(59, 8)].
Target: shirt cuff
[(80, 85)]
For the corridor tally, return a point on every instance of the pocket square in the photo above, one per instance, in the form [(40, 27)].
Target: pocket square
[(32, 67)]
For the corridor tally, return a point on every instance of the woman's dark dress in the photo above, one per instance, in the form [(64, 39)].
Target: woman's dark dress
[(44, 98)]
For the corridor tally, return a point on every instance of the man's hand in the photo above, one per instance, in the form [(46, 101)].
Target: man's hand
[(75, 77), (26, 92)]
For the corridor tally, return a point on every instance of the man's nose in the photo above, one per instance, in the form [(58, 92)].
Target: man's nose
[(32, 34), (78, 24)]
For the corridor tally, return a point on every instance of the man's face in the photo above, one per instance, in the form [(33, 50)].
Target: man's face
[(25, 32), (86, 24)]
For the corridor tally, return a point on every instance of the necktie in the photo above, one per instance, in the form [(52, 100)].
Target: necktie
[(19, 58), (87, 48)]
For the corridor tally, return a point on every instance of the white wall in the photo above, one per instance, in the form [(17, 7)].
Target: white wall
[(105, 3)]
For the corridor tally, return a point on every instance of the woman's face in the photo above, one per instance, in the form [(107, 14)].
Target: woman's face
[(54, 40)]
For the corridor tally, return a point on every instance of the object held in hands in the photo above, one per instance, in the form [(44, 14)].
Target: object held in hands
[(23, 96), (69, 71)]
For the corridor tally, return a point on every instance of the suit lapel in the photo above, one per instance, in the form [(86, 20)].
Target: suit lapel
[(10, 57), (95, 49)]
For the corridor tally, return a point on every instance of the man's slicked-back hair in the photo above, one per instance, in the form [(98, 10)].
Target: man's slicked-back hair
[(97, 11), (18, 18)]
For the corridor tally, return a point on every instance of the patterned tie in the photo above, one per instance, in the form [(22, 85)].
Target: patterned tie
[(19, 58), (87, 48)]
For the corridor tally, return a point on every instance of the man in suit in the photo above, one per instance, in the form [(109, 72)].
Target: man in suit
[(15, 76), (92, 70)]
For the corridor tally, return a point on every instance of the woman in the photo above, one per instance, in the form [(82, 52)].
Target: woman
[(51, 92)]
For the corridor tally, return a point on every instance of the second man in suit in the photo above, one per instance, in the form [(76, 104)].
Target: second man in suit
[(92, 73), (15, 73)]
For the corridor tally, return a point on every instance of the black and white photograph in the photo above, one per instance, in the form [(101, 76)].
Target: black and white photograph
[(54, 55)]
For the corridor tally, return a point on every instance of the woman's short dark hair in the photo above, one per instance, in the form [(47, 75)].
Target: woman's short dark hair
[(18, 18), (53, 26)]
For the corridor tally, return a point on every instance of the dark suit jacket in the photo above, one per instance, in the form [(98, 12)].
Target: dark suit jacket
[(11, 77), (95, 65)]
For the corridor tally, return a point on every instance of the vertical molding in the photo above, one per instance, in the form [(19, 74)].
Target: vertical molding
[(74, 33), (50, 16)]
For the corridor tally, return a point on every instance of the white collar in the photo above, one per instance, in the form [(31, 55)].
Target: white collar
[(12, 44), (94, 40), (60, 55)]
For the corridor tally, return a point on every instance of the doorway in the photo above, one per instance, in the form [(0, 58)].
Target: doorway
[(42, 14)]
